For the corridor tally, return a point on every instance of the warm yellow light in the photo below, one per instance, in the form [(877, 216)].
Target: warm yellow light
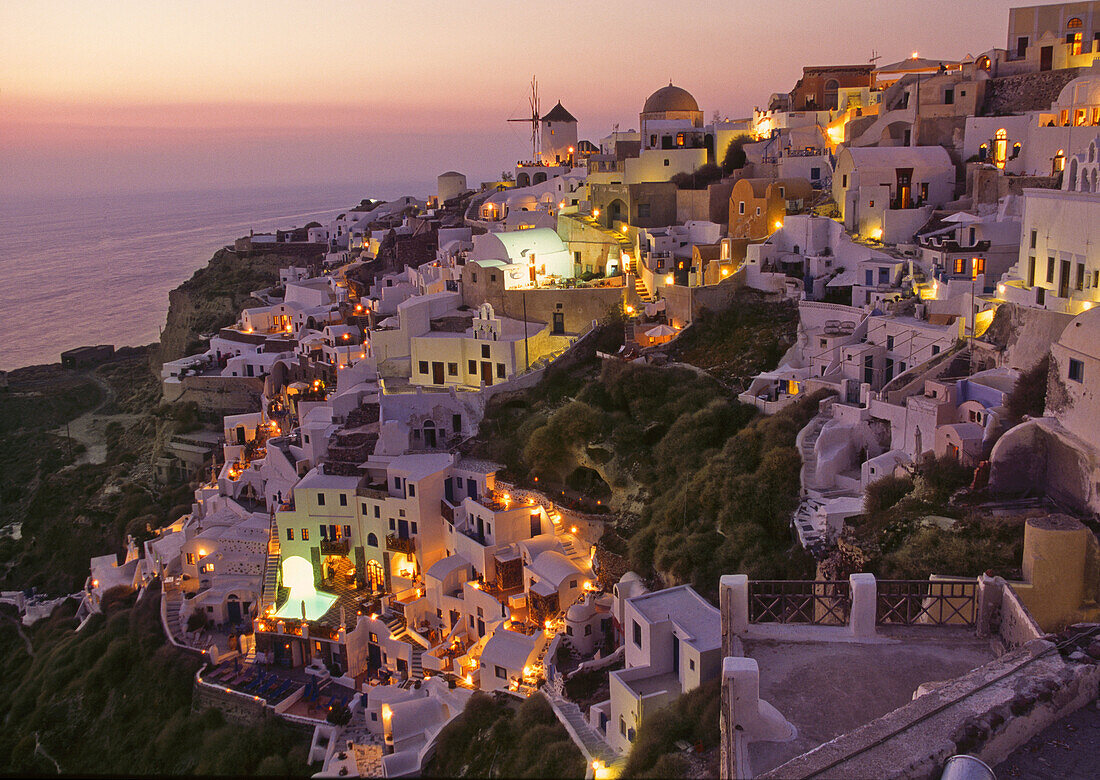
[(469, 679), (876, 234), (670, 279), (595, 213), (573, 530), (387, 713), (914, 55), (1000, 289), (347, 336), (546, 624), (725, 272), (778, 225), (571, 150), (95, 583), (202, 553), (1086, 305), (629, 309)]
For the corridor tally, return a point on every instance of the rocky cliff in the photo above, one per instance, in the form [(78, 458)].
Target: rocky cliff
[(213, 297)]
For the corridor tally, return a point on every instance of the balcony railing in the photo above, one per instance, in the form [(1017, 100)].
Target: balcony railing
[(927, 602), (821, 602), (334, 547), (395, 543)]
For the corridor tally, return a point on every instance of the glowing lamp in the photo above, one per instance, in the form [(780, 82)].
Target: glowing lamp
[(573, 530), (778, 225), (876, 234), (596, 213), (670, 279)]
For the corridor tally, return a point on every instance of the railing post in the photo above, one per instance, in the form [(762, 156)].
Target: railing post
[(733, 598), (864, 604)]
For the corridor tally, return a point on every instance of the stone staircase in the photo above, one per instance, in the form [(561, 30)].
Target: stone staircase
[(269, 592), (642, 290), (592, 745), (173, 599), (416, 669)]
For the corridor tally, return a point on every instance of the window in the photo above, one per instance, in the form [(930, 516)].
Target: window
[(363, 506), (372, 540), (377, 510), (1076, 370), (1021, 46), (588, 629), (1050, 270), (979, 266), (412, 490), (290, 534), (320, 499), (305, 534), (889, 342), (501, 672), (400, 512), (1034, 237), (492, 277), (473, 277), (397, 483), (741, 207), (191, 556), (948, 97), (572, 583), (643, 211), (471, 367), (208, 568), (324, 532), (347, 531), (666, 162), (691, 664), (960, 265), (456, 423), (622, 726), (569, 630), (844, 180), (423, 366), (679, 139), (343, 499), (1080, 282), (485, 351), (1074, 23), (452, 369), (393, 524), (637, 634), (500, 370), (414, 527), (758, 211), (935, 349)]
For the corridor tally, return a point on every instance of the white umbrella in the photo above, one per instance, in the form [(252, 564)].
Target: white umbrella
[(661, 331), (963, 217)]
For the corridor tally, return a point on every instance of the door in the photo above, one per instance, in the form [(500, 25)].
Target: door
[(449, 490), (1046, 58), (1031, 272), (486, 372), (455, 617), (536, 524), (402, 529), (559, 322), (374, 656), (234, 608), (1063, 280), (240, 434), (437, 373), (904, 187), (471, 488), (429, 438), (481, 527)]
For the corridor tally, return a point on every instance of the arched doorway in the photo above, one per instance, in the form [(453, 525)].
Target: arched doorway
[(376, 577), (617, 212), (233, 609), (523, 180), (832, 89)]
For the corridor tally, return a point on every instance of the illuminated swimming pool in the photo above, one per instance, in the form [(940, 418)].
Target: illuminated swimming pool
[(298, 576)]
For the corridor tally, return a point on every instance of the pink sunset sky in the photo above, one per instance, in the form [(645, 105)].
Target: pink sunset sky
[(148, 95)]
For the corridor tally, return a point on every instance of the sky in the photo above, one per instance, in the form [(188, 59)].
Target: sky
[(147, 95)]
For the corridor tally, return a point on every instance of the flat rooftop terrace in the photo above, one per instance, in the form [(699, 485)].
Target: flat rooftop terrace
[(828, 688)]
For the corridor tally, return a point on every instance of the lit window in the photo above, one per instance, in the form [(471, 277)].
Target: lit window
[(290, 534), (305, 534)]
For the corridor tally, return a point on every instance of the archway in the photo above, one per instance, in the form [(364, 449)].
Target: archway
[(539, 178), (617, 212), (523, 180), (832, 89), (376, 576)]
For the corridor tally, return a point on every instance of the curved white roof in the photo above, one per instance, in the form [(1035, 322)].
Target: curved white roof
[(553, 567), (509, 649), (516, 245), (897, 156), (1083, 333)]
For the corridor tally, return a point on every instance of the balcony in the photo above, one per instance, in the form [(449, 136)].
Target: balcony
[(335, 547), (394, 543)]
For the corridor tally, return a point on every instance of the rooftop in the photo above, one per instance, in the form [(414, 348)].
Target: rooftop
[(687, 609), (815, 685)]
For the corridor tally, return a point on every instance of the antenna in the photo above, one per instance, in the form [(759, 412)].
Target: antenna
[(533, 101)]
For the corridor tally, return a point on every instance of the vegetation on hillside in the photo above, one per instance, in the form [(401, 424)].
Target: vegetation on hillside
[(115, 698), (735, 157), (739, 343), (1029, 395), (911, 529), (68, 510), (701, 484), (497, 737)]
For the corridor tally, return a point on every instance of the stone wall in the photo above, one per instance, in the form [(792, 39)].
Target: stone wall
[(220, 395), (1025, 92)]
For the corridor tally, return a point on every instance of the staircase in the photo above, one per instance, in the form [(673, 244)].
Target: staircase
[(642, 290), (592, 745), (269, 592), (395, 622), (173, 599), (416, 669)]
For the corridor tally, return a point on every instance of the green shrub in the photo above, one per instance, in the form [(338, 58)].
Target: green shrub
[(885, 492)]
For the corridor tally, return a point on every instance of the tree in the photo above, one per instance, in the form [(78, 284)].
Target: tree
[(735, 154), (1029, 396)]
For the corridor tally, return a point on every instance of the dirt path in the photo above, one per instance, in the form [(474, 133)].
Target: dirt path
[(90, 428)]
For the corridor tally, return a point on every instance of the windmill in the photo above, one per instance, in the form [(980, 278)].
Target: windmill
[(533, 100)]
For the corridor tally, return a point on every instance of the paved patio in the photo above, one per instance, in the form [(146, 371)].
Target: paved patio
[(828, 689)]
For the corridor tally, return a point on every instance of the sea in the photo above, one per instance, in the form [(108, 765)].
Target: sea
[(97, 269)]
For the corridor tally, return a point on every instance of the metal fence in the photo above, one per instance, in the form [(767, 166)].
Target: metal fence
[(818, 602), (927, 602)]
